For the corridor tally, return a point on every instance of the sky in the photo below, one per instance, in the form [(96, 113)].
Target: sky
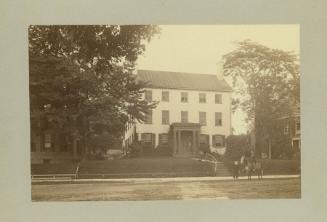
[(197, 49)]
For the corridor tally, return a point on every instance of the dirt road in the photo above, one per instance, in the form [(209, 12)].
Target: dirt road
[(242, 189)]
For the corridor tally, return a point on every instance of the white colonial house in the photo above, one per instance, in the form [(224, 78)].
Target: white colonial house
[(193, 111)]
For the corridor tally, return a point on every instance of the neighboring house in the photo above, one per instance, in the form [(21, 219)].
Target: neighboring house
[(290, 130), (193, 110), (49, 144), (286, 140)]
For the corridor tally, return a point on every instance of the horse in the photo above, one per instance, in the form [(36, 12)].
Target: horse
[(258, 169), (249, 169)]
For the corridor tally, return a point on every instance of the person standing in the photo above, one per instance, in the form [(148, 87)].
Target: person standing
[(235, 169)]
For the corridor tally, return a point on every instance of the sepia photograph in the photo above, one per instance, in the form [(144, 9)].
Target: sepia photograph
[(164, 112)]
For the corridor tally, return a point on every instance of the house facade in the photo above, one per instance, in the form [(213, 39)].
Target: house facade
[(49, 144), (286, 139), (193, 111), (290, 133)]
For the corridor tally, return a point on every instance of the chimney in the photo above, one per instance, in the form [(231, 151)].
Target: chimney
[(220, 69)]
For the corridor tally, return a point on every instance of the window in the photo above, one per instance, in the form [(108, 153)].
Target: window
[(202, 98), (165, 117), (165, 96), (148, 117), (202, 118), (148, 95), (286, 129), (184, 97), (218, 140), (218, 119), (184, 116), (204, 139), (218, 99), (298, 126), (47, 141), (163, 138), (147, 137)]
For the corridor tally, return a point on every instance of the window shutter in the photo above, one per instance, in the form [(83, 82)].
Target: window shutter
[(224, 140)]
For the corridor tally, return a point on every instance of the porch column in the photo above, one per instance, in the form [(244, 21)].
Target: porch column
[(179, 141), (198, 140), (174, 142), (194, 141)]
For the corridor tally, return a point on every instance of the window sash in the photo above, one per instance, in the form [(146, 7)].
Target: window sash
[(148, 117), (148, 95), (298, 126), (286, 130), (218, 119), (218, 99), (203, 118), (48, 141), (163, 138), (218, 140), (165, 117), (202, 98), (184, 97), (204, 139), (147, 137), (165, 96), (184, 116)]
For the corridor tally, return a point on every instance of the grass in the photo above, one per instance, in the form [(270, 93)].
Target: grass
[(153, 167), (53, 168)]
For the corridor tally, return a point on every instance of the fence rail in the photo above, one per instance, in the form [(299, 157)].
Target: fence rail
[(52, 176)]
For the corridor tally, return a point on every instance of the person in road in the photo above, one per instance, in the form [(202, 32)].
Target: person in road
[(235, 169)]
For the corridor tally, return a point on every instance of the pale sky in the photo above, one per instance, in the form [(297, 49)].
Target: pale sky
[(197, 48)]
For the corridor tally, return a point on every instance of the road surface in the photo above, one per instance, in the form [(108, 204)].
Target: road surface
[(169, 190)]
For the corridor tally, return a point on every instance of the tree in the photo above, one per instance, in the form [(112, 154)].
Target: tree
[(267, 82), (80, 77), (237, 145)]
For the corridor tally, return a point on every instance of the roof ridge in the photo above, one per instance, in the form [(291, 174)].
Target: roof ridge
[(191, 73), (182, 80)]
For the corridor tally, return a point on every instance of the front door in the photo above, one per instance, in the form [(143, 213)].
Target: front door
[(185, 145)]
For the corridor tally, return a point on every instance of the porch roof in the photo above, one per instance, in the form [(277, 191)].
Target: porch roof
[(185, 126)]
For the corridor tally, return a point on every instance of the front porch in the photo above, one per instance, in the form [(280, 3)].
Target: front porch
[(185, 139)]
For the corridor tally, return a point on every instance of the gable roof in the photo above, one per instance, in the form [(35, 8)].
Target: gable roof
[(179, 80)]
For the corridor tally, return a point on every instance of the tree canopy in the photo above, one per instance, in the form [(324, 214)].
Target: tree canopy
[(267, 83), (81, 76)]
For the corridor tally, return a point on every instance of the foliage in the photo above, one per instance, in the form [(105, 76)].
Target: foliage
[(267, 82), (80, 76), (237, 145)]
